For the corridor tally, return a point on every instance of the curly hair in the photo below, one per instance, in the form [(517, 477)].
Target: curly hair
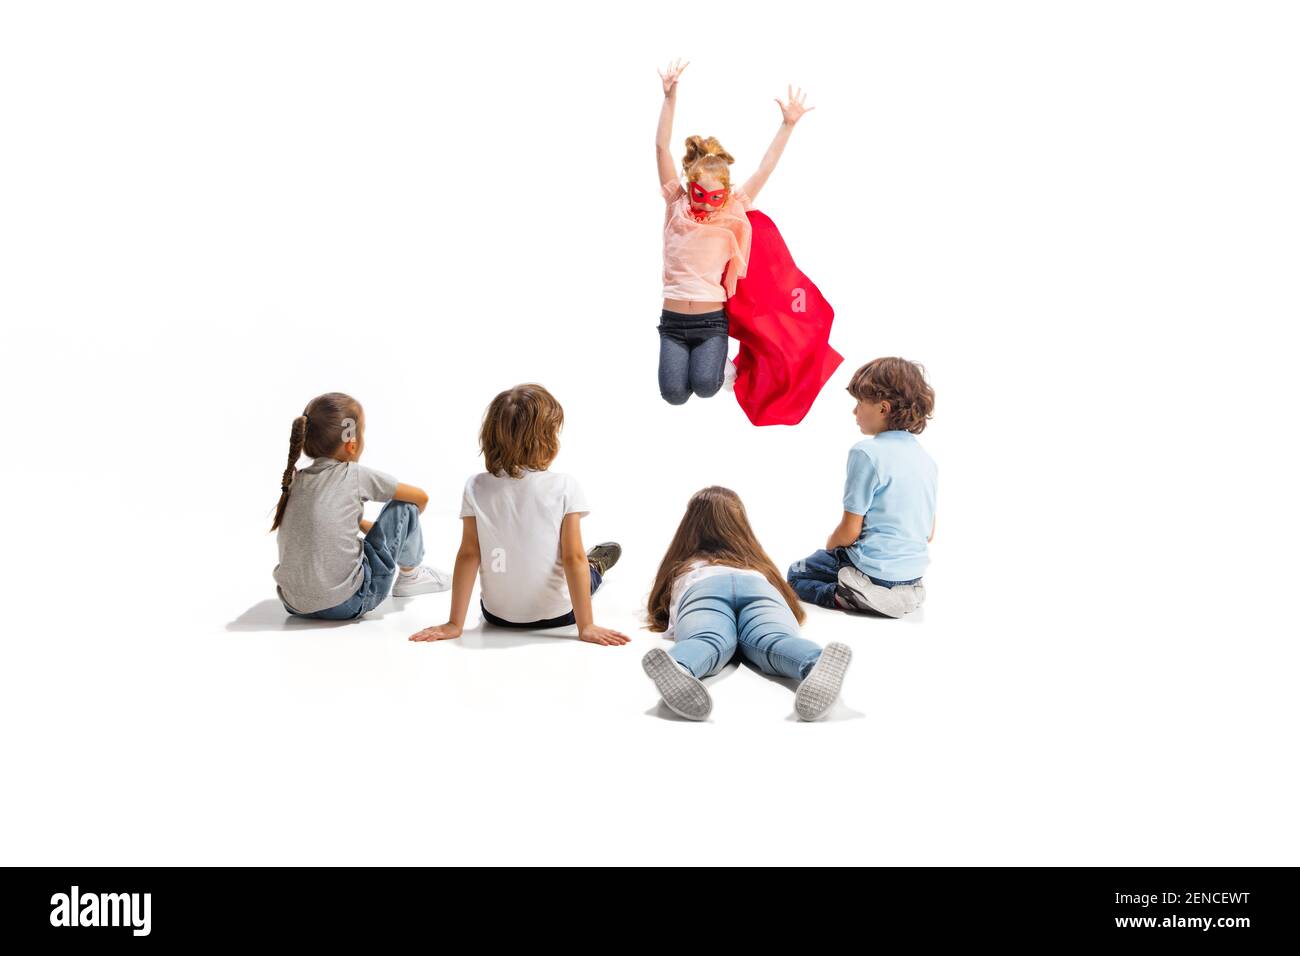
[(903, 385)]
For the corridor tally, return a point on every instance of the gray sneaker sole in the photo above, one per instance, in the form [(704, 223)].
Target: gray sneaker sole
[(682, 694), (865, 596), (821, 688)]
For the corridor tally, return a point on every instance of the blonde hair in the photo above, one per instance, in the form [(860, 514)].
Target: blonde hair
[(706, 156), (521, 430)]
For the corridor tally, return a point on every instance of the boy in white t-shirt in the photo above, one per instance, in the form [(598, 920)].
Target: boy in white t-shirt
[(521, 533)]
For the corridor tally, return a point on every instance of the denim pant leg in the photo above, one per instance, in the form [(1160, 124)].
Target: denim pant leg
[(708, 365), (394, 541), (706, 627), (814, 577), (674, 369), (768, 633), (354, 606)]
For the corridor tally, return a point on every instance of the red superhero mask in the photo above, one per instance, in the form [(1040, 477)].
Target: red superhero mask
[(701, 195)]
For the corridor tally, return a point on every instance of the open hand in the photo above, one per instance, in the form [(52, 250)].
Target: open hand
[(794, 108), (443, 632), (595, 634), (675, 70)]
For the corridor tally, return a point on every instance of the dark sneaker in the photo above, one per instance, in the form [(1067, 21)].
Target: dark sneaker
[(604, 556)]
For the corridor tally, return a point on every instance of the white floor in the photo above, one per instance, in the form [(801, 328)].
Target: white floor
[(212, 729), (1082, 221)]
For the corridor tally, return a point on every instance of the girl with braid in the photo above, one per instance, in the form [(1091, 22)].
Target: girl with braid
[(327, 569)]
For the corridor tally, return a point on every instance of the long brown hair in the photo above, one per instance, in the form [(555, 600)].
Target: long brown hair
[(317, 433), (521, 429), (715, 527)]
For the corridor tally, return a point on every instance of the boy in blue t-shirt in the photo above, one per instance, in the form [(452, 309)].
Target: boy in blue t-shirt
[(875, 558)]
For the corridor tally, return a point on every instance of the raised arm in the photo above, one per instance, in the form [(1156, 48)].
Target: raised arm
[(664, 135), (790, 113)]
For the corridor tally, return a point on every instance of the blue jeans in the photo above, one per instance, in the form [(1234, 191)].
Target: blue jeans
[(394, 541), (814, 578), (564, 620), (727, 613)]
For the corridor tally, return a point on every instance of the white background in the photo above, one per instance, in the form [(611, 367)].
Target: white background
[(1082, 218)]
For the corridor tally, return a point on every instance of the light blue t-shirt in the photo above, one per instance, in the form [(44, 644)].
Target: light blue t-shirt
[(892, 482)]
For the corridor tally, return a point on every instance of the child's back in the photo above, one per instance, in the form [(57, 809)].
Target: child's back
[(320, 551), (520, 529), (518, 522), (877, 554), (892, 481)]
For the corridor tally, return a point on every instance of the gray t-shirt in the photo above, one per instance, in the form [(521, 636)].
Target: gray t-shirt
[(320, 552)]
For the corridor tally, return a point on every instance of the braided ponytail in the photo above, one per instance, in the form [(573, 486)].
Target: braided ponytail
[(297, 437)]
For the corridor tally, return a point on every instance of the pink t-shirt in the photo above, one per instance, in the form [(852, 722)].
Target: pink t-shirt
[(697, 254)]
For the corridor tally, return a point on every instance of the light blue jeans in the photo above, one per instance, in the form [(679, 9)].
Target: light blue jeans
[(393, 541), (729, 612)]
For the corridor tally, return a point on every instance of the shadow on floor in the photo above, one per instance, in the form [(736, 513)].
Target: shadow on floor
[(487, 637), (915, 617), (270, 615)]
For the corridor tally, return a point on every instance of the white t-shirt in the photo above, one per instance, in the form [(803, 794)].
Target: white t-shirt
[(518, 521), (696, 572)]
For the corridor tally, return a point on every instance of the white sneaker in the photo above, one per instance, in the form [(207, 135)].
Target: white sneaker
[(423, 580), (865, 595), (729, 376)]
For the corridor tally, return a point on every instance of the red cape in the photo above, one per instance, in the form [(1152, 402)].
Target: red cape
[(783, 324)]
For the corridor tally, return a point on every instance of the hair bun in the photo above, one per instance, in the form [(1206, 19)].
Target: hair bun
[(699, 148)]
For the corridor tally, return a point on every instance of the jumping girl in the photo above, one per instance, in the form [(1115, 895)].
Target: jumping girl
[(706, 246)]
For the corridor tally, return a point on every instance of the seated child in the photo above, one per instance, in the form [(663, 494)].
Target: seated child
[(521, 532), (326, 570), (874, 559), (718, 594)]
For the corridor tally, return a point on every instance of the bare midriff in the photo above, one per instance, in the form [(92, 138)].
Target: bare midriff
[(688, 307)]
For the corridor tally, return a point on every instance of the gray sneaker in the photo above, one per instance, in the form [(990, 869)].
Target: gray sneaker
[(820, 689), (604, 556), (860, 592), (682, 694)]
